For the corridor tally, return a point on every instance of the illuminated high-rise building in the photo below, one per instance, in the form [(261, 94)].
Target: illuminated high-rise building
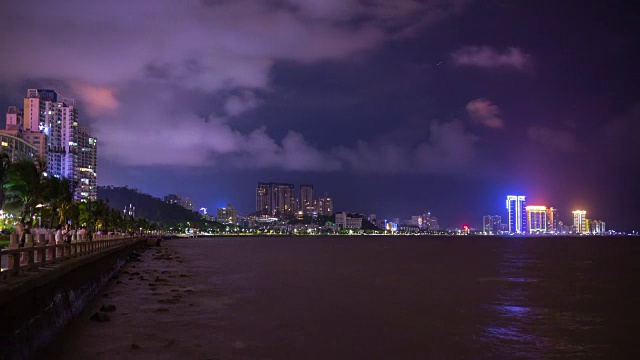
[(517, 214), (536, 219), (552, 220), (274, 199), (324, 205), (228, 215), (50, 123), (306, 199), (491, 224), (580, 221)]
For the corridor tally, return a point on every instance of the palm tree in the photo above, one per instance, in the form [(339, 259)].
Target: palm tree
[(59, 194), (23, 186), (5, 163)]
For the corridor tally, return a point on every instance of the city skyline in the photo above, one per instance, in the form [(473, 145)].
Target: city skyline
[(439, 105)]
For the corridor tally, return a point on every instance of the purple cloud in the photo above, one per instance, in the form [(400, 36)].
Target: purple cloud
[(489, 58), (449, 148), (127, 62), (482, 111)]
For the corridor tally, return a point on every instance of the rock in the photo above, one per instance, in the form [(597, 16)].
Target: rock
[(159, 279), (118, 282), (168, 301), (184, 275), (100, 317), (108, 308), (135, 346), (170, 343), (161, 310)]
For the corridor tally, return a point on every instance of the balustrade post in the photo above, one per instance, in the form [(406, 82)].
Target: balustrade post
[(15, 258), (53, 250), (42, 250), (29, 255), (50, 238)]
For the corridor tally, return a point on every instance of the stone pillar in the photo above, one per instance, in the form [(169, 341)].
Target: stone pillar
[(13, 245), (42, 250), (28, 257)]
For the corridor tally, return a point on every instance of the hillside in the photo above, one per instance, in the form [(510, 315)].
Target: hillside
[(147, 206)]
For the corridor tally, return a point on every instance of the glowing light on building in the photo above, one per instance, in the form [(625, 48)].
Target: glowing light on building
[(580, 221), (536, 219), (517, 214)]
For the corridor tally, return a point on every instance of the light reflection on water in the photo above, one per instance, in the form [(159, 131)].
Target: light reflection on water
[(522, 326)]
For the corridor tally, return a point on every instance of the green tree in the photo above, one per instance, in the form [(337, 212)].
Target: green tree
[(5, 164), (59, 194), (23, 187)]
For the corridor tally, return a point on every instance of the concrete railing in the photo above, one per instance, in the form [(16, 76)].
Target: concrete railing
[(44, 250)]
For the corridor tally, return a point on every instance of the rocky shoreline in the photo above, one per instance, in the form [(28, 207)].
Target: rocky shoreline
[(133, 315)]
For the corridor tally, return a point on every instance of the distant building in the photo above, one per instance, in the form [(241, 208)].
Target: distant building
[(324, 206), (275, 200), (306, 199), (15, 128), (188, 204), (86, 164), (491, 224), (49, 123), (552, 220), (16, 148), (580, 221), (129, 211), (228, 215), (344, 221), (597, 227), (536, 219), (71, 150), (430, 222), (173, 199), (517, 214), (372, 219)]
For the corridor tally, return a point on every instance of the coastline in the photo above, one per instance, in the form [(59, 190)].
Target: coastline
[(155, 303)]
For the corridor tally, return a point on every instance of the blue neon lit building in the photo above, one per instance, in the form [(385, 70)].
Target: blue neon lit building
[(517, 214)]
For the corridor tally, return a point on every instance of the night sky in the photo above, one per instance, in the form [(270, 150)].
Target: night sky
[(391, 107)]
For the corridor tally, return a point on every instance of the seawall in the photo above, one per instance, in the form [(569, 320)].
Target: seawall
[(35, 306)]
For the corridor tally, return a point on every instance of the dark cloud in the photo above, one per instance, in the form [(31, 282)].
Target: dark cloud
[(490, 58), (554, 140)]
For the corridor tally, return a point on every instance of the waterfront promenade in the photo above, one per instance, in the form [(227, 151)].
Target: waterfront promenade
[(44, 285)]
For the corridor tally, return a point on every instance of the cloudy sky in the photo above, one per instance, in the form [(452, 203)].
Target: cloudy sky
[(391, 107)]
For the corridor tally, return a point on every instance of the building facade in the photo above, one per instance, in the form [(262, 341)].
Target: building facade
[(306, 199), (491, 224), (49, 122), (16, 148), (536, 219), (228, 215), (517, 214), (86, 165), (344, 221), (552, 220), (173, 199), (580, 221), (275, 200), (324, 206)]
